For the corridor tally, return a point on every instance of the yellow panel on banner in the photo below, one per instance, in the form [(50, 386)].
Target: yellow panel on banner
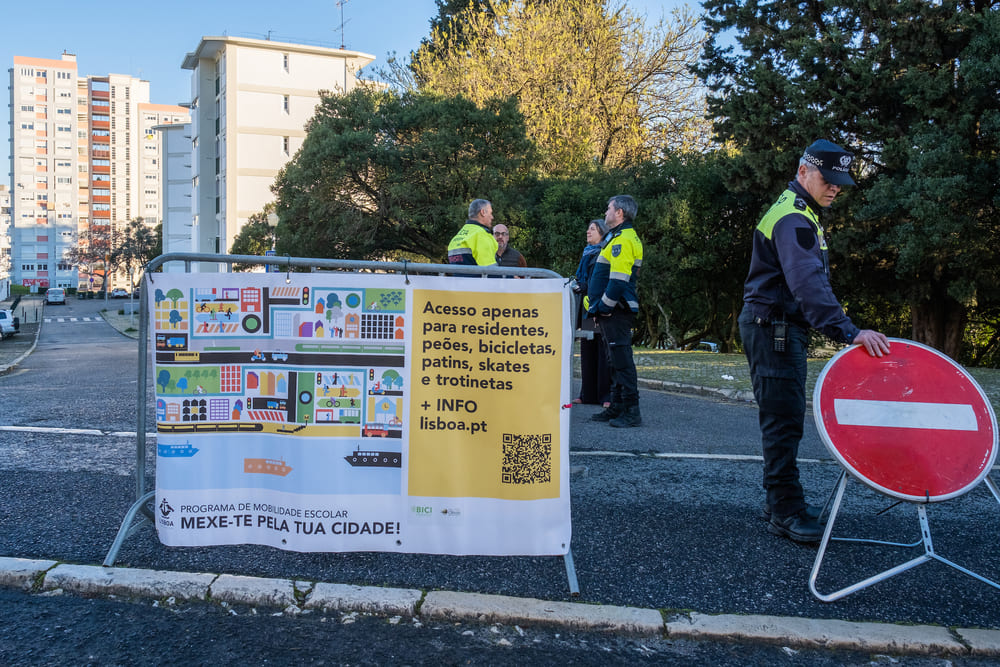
[(487, 400), (362, 412)]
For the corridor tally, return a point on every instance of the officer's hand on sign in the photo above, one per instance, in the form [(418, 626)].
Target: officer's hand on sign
[(875, 343)]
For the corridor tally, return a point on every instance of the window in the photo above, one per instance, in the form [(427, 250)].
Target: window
[(284, 144), (284, 58), (285, 103), (27, 126), (27, 107), (66, 111)]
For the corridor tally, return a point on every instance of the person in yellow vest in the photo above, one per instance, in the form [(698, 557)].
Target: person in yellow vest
[(787, 292), (613, 300), (474, 244)]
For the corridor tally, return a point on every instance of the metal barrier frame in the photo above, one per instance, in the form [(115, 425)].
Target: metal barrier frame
[(140, 512), (925, 540)]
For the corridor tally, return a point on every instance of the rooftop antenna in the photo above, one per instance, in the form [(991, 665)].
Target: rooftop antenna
[(341, 3)]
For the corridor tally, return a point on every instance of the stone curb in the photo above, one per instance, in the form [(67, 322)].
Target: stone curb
[(827, 634), (450, 606), (365, 599), (51, 576), (741, 395)]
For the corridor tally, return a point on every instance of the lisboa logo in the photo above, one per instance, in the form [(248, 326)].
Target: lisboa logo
[(165, 508)]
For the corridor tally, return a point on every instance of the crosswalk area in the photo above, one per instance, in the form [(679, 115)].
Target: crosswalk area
[(80, 320)]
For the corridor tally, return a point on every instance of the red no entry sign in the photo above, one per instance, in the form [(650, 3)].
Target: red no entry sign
[(912, 424)]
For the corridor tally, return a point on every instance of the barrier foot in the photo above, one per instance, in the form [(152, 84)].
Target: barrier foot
[(925, 533), (574, 587), (128, 528)]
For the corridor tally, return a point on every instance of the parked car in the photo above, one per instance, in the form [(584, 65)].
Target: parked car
[(9, 325), (119, 293), (55, 295)]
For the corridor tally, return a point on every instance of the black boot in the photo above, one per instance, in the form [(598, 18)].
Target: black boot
[(629, 418), (608, 413)]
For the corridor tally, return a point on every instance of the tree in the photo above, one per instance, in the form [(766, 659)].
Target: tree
[(163, 379), (911, 87), (256, 237), (594, 83), (386, 175), (133, 248), (91, 252)]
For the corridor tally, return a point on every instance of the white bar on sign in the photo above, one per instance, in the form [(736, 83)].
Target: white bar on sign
[(905, 414)]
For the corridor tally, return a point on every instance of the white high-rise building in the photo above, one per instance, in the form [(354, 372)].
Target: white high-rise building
[(44, 126), (175, 183), (84, 162), (4, 241), (250, 102)]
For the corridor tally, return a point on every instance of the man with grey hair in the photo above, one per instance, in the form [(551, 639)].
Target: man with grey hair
[(474, 244), (614, 301), (787, 292)]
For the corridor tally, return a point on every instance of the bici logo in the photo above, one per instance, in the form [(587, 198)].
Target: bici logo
[(422, 510)]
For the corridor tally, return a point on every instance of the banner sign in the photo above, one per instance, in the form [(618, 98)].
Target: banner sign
[(362, 412)]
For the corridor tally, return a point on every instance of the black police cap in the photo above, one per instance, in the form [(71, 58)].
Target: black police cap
[(831, 160)]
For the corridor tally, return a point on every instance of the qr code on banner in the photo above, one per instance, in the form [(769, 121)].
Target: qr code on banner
[(527, 458)]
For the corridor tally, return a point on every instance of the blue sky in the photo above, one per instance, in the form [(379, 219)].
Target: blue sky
[(149, 41)]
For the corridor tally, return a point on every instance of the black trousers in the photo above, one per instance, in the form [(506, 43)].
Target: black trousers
[(595, 386), (779, 385), (616, 331)]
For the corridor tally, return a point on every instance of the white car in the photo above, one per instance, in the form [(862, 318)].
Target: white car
[(119, 293), (8, 324), (55, 295)]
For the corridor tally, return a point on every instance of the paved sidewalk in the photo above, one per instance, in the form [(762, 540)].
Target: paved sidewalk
[(17, 347), (293, 597)]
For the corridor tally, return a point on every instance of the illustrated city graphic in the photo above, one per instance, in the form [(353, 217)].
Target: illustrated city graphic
[(310, 361)]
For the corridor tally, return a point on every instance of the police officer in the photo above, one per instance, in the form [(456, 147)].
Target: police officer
[(614, 301), (787, 292), (474, 243)]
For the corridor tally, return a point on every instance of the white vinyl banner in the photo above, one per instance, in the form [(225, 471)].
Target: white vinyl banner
[(362, 412)]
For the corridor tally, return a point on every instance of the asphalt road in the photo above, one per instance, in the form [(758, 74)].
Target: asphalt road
[(664, 516)]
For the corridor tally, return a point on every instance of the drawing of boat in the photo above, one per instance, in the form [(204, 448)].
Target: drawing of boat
[(266, 467), (171, 451), (374, 459)]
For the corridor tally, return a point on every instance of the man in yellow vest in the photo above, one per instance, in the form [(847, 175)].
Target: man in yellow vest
[(474, 243), (613, 300), (787, 292)]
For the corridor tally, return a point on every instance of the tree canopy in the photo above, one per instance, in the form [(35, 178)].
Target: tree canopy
[(386, 175), (594, 82), (912, 88)]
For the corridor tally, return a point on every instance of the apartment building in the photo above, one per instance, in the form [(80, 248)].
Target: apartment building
[(4, 241), (175, 200), (84, 162), (250, 101), (44, 126)]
